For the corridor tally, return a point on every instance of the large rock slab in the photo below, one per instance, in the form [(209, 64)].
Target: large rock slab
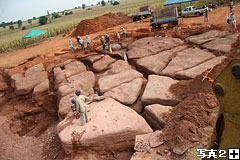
[(116, 47), (151, 45), (26, 84), (14, 78), (155, 115), (113, 126), (186, 59), (93, 58), (102, 64), (71, 69), (84, 82), (157, 91), (65, 105), (41, 89), (198, 70), (206, 37), (37, 68), (117, 67), (156, 63), (108, 82), (40, 92), (126, 93), (222, 44)]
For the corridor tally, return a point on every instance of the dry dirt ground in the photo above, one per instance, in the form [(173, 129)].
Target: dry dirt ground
[(28, 132)]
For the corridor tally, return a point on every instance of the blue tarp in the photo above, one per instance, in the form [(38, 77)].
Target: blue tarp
[(170, 2), (34, 33)]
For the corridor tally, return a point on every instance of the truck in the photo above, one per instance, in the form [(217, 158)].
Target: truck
[(144, 12), (165, 16), (190, 11)]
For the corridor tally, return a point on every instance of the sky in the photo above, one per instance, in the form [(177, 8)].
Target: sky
[(14, 10)]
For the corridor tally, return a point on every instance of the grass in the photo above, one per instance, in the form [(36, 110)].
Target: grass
[(12, 38)]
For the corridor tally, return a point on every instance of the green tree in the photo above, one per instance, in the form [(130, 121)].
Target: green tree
[(43, 20), (11, 27), (34, 18), (83, 6), (3, 25), (19, 22), (24, 27), (55, 15), (103, 3), (30, 21), (116, 3)]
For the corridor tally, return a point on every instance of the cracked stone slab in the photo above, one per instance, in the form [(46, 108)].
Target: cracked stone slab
[(186, 59), (157, 91), (117, 67), (112, 127), (126, 93), (155, 115), (84, 82), (103, 63), (222, 44), (108, 82), (207, 36), (198, 70), (156, 63), (151, 45)]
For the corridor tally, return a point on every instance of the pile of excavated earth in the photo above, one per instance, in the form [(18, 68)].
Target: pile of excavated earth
[(90, 26), (156, 106)]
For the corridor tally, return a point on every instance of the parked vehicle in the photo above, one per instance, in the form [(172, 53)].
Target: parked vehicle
[(165, 16), (144, 12), (190, 11)]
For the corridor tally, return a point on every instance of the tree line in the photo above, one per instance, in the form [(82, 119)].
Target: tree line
[(44, 19)]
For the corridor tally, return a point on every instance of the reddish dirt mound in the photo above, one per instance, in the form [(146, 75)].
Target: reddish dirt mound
[(90, 26)]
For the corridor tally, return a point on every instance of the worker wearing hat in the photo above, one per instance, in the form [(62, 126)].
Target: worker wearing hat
[(88, 41), (80, 106), (102, 42), (124, 33), (232, 22)]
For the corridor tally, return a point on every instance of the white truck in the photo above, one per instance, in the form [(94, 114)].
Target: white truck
[(190, 11)]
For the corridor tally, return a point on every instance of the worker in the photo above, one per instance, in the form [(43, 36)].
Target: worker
[(125, 57), (107, 38), (206, 14), (78, 38), (118, 36), (81, 42), (232, 22), (88, 41), (74, 108), (71, 46), (103, 42), (231, 5), (124, 33), (80, 105)]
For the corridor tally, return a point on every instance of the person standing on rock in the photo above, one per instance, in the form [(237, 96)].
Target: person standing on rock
[(118, 37), (88, 41), (81, 106), (206, 14), (232, 22), (71, 46), (231, 5), (107, 38), (82, 43), (102, 42), (124, 33)]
